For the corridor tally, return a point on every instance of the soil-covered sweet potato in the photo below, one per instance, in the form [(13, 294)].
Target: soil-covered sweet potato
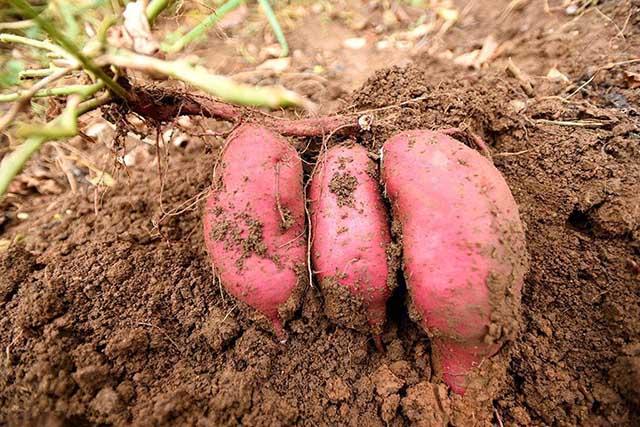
[(464, 252), (350, 238), (254, 222)]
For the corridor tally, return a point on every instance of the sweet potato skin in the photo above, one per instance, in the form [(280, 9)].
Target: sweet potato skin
[(464, 252), (254, 221), (350, 237)]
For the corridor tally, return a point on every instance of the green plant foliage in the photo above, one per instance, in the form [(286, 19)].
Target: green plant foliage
[(10, 73)]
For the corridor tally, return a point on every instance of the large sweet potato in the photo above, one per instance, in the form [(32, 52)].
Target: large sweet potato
[(350, 238), (254, 223), (464, 254)]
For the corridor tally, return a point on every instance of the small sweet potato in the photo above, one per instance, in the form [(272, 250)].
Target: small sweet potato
[(464, 254), (254, 222), (350, 238)]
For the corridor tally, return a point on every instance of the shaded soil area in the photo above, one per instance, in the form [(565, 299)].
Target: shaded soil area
[(110, 312)]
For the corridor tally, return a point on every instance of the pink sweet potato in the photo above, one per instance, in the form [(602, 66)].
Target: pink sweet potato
[(254, 222), (350, 238), (464, 254)]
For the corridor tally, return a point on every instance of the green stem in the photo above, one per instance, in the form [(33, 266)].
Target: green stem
[(155, 7), (13, 162), (275, 26), (12, 38), (30, 74), (18, 25), (83, 90), (200, 29), (93, 103), (106, 23), (66, 12), (63, 126), (70, 47), (222, 87), (115, 7)]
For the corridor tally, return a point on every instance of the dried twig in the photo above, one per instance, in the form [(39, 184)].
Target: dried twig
[(525, 82), (575, 123)]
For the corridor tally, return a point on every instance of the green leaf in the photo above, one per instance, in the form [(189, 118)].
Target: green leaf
[(9, 73)]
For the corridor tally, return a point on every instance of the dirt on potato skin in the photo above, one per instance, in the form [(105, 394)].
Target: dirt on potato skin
[(108, 319)]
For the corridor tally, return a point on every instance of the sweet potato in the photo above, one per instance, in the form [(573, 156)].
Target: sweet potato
[(350, 238), (464, 254), (254, 222)]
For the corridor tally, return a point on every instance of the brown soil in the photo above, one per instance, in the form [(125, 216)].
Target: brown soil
[(343, 184), (343, 307), (113, 318)]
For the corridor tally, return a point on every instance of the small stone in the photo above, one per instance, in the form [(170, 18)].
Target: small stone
[(383, 45), (277, 65), (517, 105), (365, 121), (571, 9), (389, 18), (355, 43), (359, 23)]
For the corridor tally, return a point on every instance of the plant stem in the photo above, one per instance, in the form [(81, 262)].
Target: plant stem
[(33, 73), (155, 7), (70, 47), (219, 86), (13, 162), (275, 26), (105, 24), (93, 103), (53, 91), (63, 126), (65, 11), (115, 7), (200, 29), (26, 95), (18, 25), (12, 38)]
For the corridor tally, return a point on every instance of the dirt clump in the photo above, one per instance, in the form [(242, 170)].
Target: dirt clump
[(343, 184), (342, 306)]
